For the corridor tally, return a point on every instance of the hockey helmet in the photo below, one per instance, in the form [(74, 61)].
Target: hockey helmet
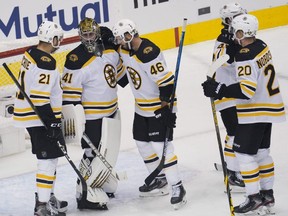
[(122, 27), (246, 23), (48, 30), (229, 11)]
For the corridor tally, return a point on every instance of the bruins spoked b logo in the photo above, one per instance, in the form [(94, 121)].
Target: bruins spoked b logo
[(135, 77), (110, 75)]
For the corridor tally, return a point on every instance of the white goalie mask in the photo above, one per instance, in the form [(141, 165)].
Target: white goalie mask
[(123, 27), (246, 23), (48, 30), (230, 11)]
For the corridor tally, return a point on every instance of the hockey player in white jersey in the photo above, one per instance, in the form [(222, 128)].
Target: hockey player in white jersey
[(259, 104), (151, 83), (40, 79), (227, 74), (91, 73)]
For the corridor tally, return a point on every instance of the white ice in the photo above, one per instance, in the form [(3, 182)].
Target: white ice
[(195, 144)]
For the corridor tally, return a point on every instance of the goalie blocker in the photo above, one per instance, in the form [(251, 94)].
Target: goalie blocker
[(98, 172)]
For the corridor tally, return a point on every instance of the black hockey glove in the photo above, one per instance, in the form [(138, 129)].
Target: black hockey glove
[(54, 131), (213, 89), (165, 115)]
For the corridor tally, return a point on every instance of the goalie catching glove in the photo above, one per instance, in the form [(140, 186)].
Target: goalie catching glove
[(214, 89), (165, 115)]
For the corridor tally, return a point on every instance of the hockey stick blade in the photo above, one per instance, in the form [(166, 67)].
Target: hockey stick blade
[(216, 64), (218, 167)]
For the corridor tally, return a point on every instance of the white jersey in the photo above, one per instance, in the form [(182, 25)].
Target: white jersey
[(226, 73), (92, 81), (147, 72), (41, 81), (258, 81)]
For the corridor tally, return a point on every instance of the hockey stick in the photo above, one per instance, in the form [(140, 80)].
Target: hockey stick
[(160, 166), (218, 63), (103, 159), (83, 182)]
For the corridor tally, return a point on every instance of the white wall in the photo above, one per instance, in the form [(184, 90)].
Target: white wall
[(18, 19)]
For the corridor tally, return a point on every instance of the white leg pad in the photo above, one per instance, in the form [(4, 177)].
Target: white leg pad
[(110, 138), (73, 123), (111, 184), (94, 195)]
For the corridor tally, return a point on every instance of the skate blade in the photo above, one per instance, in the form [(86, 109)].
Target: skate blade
[(155, 193), (269, 210), (258, 212), (179, 205)]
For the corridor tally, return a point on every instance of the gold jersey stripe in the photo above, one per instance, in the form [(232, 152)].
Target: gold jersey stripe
[(261, 113), (35, 92), (251, 172), (88, 103), (44, 186), (260, 105), (45, 177), (26, 118)]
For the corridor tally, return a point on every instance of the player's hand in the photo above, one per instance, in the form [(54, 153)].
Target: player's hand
[(165, 115), (213, 89), (54, 131)]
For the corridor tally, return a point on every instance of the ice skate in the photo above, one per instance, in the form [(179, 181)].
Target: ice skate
[(268, 201), (253, 205), (46, 209), (159, 187), (61, 206), (178, 196)]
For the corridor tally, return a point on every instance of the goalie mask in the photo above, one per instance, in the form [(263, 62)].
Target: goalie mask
[(90, 36), (47, 32), (230, 11)]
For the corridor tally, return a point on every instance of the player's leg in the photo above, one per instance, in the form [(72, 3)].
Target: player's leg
[(151, 160), (157, 133), (266, 169), (230, 121), (47, 153), (248, 140)]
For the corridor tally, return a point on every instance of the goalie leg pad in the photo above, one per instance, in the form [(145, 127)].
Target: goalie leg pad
[(110, 138), (94, 172), (111, 184), (73, 123), (96, 198)]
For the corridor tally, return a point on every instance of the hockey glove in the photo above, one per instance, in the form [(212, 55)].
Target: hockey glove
[(165, 115), (54, 131), (213, 89)]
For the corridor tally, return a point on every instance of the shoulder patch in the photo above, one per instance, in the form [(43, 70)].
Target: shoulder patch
[(45, 59), (148, 50), (244, 50), (73, 58), (77, 58), (42, 59)]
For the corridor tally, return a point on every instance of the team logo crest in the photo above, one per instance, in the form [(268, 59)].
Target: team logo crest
[(73, 57), (110, 75), (135, 77), (45, 59), (147, 50), (244, 50)]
